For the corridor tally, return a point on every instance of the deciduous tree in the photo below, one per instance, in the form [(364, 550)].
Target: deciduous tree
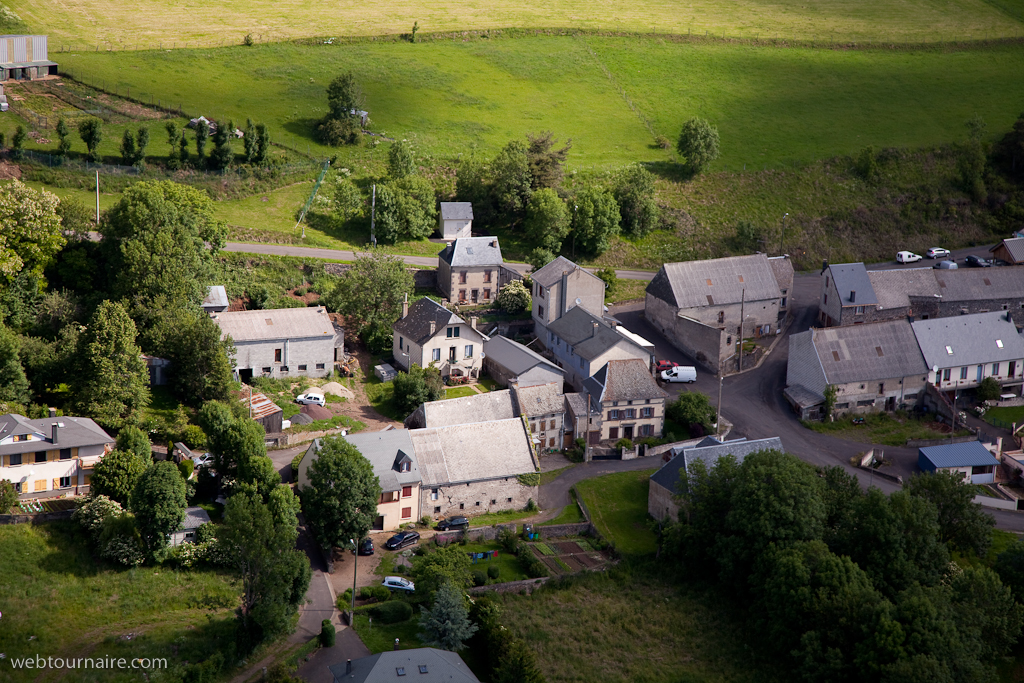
[(512, 181), (595, 220), (91, 132), (448, 565), (548, 219), (348, 200), (340, 502), (698, 145), (158, 503), (545, 162), (634, 193), (8, 496), (222, 156), (400, 161), (514, 297), (14, 386), (963, 525), (116, 475), (693, 408), (63, 138), (343, 95), (419, 385), (30, 230), (406, 209)]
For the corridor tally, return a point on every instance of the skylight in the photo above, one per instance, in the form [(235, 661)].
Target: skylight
[(999, 343), (949, 350)]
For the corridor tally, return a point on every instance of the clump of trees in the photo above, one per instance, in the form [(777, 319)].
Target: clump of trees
[(133, 147), (514, 297), (340, 125), (419, 385)]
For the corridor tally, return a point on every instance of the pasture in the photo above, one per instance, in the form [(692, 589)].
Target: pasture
[(165, 22)]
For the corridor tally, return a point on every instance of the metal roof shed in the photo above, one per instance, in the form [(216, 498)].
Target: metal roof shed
[(971, 459)]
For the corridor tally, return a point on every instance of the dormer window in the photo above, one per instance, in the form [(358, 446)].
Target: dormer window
[(403, 467)]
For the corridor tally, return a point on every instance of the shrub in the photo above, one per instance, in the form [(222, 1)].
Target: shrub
[(508, 540), (248, 41), (989, 389), (93, 511), (514, 297), (425, 521), (194, 437), (479, 578), (623, 443), (366, 592), (327, 633), (536, 569), (392, 611), (185, 468), (493, 571), (338, 132), (380, 593)]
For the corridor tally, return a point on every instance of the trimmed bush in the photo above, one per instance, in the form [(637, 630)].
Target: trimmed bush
[(366, 593), (326, 633), (479, 578), (493, 571), (380, 593), (392, 611)]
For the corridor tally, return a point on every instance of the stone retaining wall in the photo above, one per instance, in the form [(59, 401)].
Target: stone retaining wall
[(924, 443), (487, 533), (526, 585), (41, 518)]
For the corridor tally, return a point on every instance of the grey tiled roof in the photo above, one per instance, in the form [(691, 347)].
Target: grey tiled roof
[(971, 340), (803, 368), (275, 323), (216, 296), (668, 475), (382, 449), (968, 454), (541, 399), (577, 403), (456, 211), (473, 452), (577, 328), (715, 282), (1015, 245), (515, 357), (72, 432), (853, 277), (493, 405), (195, 517), (858, 353), (473, 251), (552, 272), (782, 269), (893, 288), (424, 665), (624, 380), (416, 326)]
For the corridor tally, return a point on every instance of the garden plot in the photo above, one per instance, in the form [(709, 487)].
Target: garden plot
[(569, 556)]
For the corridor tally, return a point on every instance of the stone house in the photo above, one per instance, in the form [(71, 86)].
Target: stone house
[(507, 361), (456, 220), (543, 406), (560, 286), (393, 457), (960, 352), (282, 342), (847, 296), (429, 333), (699, 305), (470, 270), (486, 407), (873, 367), (582, 343), (50, 455), (581, 416), (632, 404)]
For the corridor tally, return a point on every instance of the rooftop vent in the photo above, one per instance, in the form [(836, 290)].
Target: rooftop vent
[(999, 343), (878, 350), (835, 354), (423, 668), (949, 350), (400, 670)]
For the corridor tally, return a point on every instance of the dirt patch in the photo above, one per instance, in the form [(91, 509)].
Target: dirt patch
[(574, 564), (9, 170), (317, 412), (551, 564), (590, 561), (567, 547)]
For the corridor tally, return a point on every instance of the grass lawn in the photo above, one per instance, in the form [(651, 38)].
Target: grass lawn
[(626, 290), (380, 637), (509, 568), (181, 615), (459, 392), (608, 629), (503, 517), (618, 508), (381, 396), (488, 384), (150, 23), (570, 514), (880, 428), (1005, 415)]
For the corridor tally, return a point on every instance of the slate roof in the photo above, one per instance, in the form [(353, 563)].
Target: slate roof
[(709, 451), (782, 269), (969, 454), (473, 452), (276, 323), (552, 272), (1014, 245), (893, 288), (715, 282), (623, 380), (195, 517), (853, 277), (472, 251), (577, 403), (456, 211), (577, 328), (216, 297), (857, 353), (383, 450), (416, 326), (515, 357), (423, 665), (72, 432), (494, 405), (971, 340), (540, 399)]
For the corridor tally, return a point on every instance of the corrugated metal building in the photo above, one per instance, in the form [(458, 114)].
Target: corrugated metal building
[(24, 58)]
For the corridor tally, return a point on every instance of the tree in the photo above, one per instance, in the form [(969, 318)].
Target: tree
[(183, 150), (547, 219), (76, 220), (988, 389), (595, 220), (634, 193), (202, 135), (111, 383), (221, 156), (406, 209), (419, 385), (1010, 567), (158, 503), (371, 293), (514, 297), (133, 440), (8, 496), (749, 237), (698, 145), (610, 279), (545, 162), (262, 145), (249, 141), (174, 137), (539, 257), (830, 400), (446, 624), (692, 408), (116, 475), (343, 96), (448, 565), (18, 142), (201, 368), (14, 387), (511, 176), (348, 200), (91, 132), (237, 445), (340, 502), (963, 524), (141, 143), (400, 161), (128, 148), (63, 137), (30, 230), (337, 132)]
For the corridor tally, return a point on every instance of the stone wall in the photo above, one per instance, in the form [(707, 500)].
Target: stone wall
[(524, 586), (486, 533), (563, 530), (492, 495), (41, 518), (707, 345)]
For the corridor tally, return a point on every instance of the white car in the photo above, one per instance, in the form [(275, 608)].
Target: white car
[(937, 252), (397, 583), (907, 257), (203, 460), (680, 373), (311, 398)]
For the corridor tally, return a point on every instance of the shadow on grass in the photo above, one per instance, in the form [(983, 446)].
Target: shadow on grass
[(670, 170)]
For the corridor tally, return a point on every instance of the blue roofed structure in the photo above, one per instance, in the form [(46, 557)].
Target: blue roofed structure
[(971, 459)]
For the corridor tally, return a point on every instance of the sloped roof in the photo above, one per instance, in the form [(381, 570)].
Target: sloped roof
[(473, 452), (589, 335), (577, 403), (493, 405), (969, 454), (423, 665), (416, 326), (715, 282), (893, 288), (552, 272), (853, 277), (276, 323), (782, 269), (261, 406), (709, 451), (456, 211), (472, 251), (624, 380), (384, 450), (968, 340), (195, 517), (515, 357), (72, 432), (216, 297), (1014, 245), (540, 399), (857, 353), (980, 284)]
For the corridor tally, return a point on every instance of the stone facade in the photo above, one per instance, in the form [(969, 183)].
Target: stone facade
[(661, 503), (488, 495), (708, 345), (895, 393), (630, 419), (451, 354), (468, 284)]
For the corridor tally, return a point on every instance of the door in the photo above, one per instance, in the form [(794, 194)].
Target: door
[(245, 375), (451, 354), (890, 403), (627, 432), (613, 433), (474, 295), (980, 372), (1013, 369)]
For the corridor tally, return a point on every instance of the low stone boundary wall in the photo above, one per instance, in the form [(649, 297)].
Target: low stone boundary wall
[(285, 440), (527, 585), (41, 518), (486, 533), (988, 502), (559, 530), (924, 443)]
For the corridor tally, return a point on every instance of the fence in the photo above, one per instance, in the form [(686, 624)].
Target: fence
[(54, 161)]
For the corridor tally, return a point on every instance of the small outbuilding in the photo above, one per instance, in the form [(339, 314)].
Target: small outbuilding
[(265, 412), (25, 58), (971, 459), (195, 517), (216, 299), (1010, 250), (456, 220)]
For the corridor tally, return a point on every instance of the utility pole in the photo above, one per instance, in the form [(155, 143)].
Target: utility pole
[(355, 574), (97, 200), (373, 215), (743, 297), (782, 243), (718, 420)]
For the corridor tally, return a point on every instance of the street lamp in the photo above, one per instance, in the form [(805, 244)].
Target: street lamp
[(718, 419), (782, 245), (355, 574)]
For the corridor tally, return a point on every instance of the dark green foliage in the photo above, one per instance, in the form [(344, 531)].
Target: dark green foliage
[(988, 389), (698, 145), (337, 132), (547, 219), (221, 156), (508, 659), (493, 571), (514, 298), (91, 132), (539, 257), (963, 525), (238, 446), (546, 163), (202, 135), (63, 138), (610, 279), (183, 150), (249, 141), (479, 578), (116, 475), (511, 178), (18, 142), (417, 386), (692, 408), (1010, 567), (446, 624), (185, 469), (8, 496), (343, 96), (406, 209), (866, 165), (174, 136), (128, 153), (400, 161), (595, 220), (749, 238), (392, 612), (200, 360), (448, 565), (14, 386), (340, 502), (327, 633), (634, 192), (133, 440), (158, 503)]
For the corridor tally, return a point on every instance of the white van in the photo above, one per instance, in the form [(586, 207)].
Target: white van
[(907, 257), (680, 373)]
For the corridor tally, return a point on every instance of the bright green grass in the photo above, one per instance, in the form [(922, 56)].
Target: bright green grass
[(459, 392), (149, 22), (880, 428), (509, 566), (55, 591), (380, 637), (1005, 415), (570, 514), (618, 507), (503, 517)]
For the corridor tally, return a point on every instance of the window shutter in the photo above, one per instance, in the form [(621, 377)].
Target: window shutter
[(56, 482)]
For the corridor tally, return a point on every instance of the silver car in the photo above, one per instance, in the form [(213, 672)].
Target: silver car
[(397, 583)]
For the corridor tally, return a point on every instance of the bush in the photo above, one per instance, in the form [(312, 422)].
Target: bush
[(366, 592), (327, 633), (259, 296), (536, 569), (338, 132), (989, 389), (380, 593), (514, 297), (508, 540), (623, 443), (185, 468), (93, 511), (194, 437), (493, 571), (479, 578), (392, 611)]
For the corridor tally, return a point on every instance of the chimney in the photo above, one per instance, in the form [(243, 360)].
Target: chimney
[(53, 412), (472, 321), (824, 265), (348, 668), (853, 296), (396, 643), (405, 306), (433, 326), (593, 332), (53, 433)]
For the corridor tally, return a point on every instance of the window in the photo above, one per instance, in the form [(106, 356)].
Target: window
[(469, 350), (540, 289), (945, 375), (963, 373), (540, 311), (864, 404), (478, 503), (613, 415), (435, 354), (510, 500), (406, 513), (451, 354), (423, 668), (17, 487), (721, 317), (319, 366), (462, 295), (487, 294), (65, 454), (462, 506), (647, 412), (437, 509), (842, 406), (406, 491), (646, 430), (487, 276), (826, 282), (1012, 370), (462, 277), (65, 482), (453, 332), (494, 502), (995, 369), (401, 344), (581, 361), (474, 295), (284, 369), (41, 456), (400, 670), (949, 350), (302, 368), (15, 460), (783, 302), (631, 413), (859, 310), (268, 370), (277, 355), (404, 467), (433, 494), (825, 299)]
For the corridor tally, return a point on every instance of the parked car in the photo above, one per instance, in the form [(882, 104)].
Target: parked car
[(973, 261), (366, 547), (946, 265), (401, 540), (937, 252), (681, 373), (203, 460), (453, 524), (311, 398), (907, 257), (665, 365), (397, 583)]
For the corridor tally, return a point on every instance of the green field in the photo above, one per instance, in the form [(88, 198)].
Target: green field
[(618, 508), (149, 22)]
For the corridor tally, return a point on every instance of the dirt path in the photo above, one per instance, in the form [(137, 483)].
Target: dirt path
[(360, 408)]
